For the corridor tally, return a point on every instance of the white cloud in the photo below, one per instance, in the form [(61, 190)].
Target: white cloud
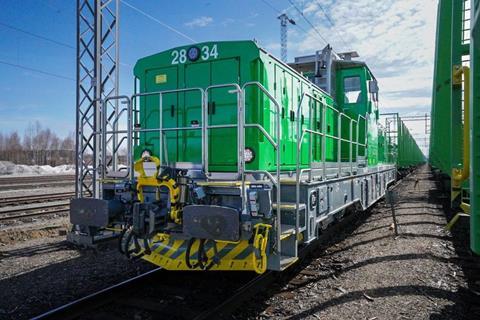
[(199, 22), (311, 7), (227, 21), (409, 103), (272, 46), (395, 38)]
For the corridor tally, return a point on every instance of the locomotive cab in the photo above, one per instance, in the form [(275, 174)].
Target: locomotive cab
[(357, 89)]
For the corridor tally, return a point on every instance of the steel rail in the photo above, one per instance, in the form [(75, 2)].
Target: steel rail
[(78, 307), (34, 214), (46, 206), (41, 178), (25, 185), (35, 198)]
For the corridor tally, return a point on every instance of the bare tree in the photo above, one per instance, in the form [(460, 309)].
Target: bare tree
[(2, 143), (14, 147), (38, 146)]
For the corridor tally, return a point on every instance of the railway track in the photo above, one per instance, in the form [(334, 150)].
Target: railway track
[(7, 180), (161, 294), (20, 200), (15, 213), (26, 186), (113, 301), (13, 207), (32, 182)]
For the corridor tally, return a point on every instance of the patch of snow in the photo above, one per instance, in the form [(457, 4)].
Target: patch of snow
[(12, 169)]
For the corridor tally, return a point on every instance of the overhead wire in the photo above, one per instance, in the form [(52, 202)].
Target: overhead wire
[(329, 19), (36, 70), (271, 6), (280, 12), (169, 27), (38, 36), (310, 23), (35, 35)]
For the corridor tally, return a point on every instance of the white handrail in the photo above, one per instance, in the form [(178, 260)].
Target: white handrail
[(278, 157)]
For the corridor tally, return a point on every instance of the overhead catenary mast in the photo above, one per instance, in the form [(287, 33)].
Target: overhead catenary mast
[(97, 79)]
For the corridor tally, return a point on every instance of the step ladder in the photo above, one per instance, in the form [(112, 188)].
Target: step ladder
[(288, 235)]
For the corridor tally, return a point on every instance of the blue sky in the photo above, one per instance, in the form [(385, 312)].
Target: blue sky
[(396, 38)]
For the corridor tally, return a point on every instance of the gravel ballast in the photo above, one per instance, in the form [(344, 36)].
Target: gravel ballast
[(39, 274), (368, 273), (364, 272)]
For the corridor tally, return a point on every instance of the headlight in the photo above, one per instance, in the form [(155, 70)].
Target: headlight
[(248, 155)]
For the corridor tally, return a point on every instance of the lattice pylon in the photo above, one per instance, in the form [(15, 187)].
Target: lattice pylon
[(97, 78)]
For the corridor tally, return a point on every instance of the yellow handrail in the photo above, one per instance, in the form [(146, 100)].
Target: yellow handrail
[(260, 241), (460, 175)]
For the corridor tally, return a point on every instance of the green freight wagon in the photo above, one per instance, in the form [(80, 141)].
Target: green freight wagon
[(454, 138)]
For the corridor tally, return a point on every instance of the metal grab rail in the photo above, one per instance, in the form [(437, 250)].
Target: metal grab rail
[(104, 132), (460, 175), (160, 129), (131, 128), (324, 135), (300, 137), (205, 126), (364, 133), (277, 147)]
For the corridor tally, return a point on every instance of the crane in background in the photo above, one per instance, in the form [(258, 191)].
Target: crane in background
[(284, 21)]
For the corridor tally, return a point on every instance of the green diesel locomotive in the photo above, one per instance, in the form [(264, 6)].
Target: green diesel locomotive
[(235, 160)]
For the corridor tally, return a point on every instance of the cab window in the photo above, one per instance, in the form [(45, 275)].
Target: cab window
[(353, 90)]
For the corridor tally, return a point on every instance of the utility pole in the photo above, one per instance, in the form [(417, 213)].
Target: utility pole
[(284, 21)]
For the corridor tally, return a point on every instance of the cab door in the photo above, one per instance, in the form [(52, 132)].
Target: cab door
[(222, 109), (161, 79), (197, 75)]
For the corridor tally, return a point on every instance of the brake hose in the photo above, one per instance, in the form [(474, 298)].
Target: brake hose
[(122, 234), (137, 249), (202, 257), (187, 255), (205, 257)]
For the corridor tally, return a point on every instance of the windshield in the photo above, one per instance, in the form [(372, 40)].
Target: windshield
[(352, 88)]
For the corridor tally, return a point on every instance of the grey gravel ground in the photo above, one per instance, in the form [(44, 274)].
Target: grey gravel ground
[(33, 227), (39, 270), (368, 273), (363, 273), (40, 274)]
